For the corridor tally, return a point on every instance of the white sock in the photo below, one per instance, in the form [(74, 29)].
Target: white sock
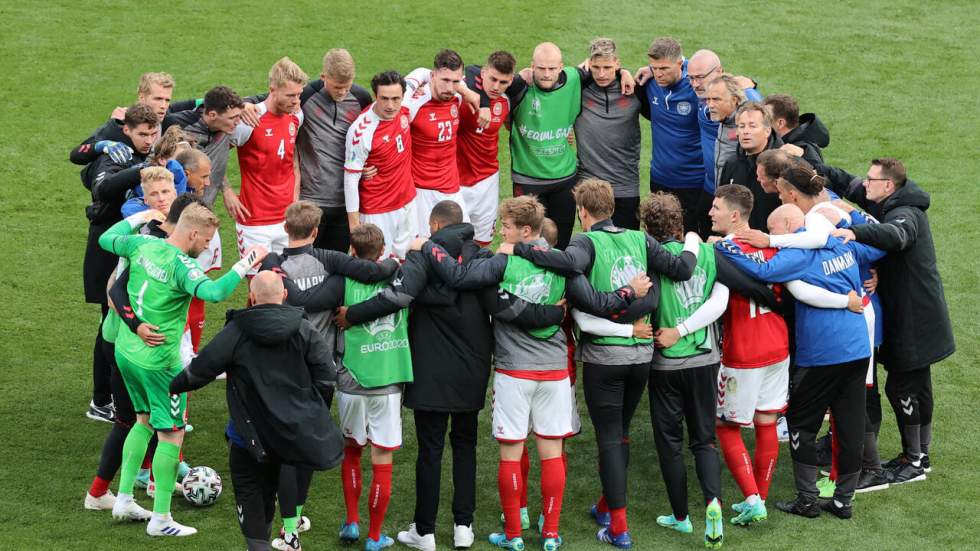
[(160, 518), (123, 499), (752, 500)]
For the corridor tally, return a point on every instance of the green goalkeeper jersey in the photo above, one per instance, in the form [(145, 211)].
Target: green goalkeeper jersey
[(162, 281)]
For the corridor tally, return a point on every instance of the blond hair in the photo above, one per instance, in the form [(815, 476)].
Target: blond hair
[(549, 231), (285, 71), (302, 217), (155, 174), (148, 80), (596, 197), (525, 210), (338, 64), (197, 217)]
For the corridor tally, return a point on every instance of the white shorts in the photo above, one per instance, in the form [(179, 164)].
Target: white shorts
[(520, 403), (743, 392), (210, 259), (398, 227), (273, 237), (482, 200), (375, 419), (426, 199), (576, 418), (869, 318)]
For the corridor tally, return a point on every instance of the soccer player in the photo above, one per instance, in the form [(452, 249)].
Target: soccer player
[(477, 142), (826, 376), (163, 278), (265, 157), (607, 131), (381, 137), (108, 182), (433, 109), (281, 366), (754, 378)]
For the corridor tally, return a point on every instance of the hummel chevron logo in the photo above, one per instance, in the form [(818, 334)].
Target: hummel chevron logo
[(241, 515), (794, 440), (174, 405), (907, 407)]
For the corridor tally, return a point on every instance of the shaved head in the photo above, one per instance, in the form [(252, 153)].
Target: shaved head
[(546, 65), (267, 288), (785, 219)]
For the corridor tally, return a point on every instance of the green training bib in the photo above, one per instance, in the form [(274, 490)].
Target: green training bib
[(376, 352), (539, 145), (678, 300), (533, 284), (618, 258)]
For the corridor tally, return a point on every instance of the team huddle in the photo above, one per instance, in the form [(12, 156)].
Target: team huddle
[(755, 287)]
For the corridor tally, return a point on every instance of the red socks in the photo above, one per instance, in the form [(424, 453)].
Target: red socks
[(378, 498), (617, 523), (834, 450), (350, 474), (99, 487), (511, 485), (602, 506), (737, 457), (525, 469), (195, 321), (552, 493), (766, 453)]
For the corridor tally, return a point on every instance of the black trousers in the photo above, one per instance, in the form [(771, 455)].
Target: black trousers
[(612, 393), (430, 430), (559, 204), (101, 366), (676, 397), (294, 488), (627, 214), (841, 388), (333, 232), (689, 198), (910, 394), (255, 496)]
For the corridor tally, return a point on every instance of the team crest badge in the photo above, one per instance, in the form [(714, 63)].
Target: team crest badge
[(404, 121), (292, 129), (497, 109), (684, 108), (536, 104), (453, 110), (623, 270)]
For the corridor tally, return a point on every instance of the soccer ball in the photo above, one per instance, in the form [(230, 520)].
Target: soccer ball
[(202, 486)]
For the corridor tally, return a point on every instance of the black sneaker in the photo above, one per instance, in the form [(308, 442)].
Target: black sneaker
[(889, 465), (925, 463), (802, 506), (106, 413), (838, 509), (906, 472), (872, 480), (825, 452)]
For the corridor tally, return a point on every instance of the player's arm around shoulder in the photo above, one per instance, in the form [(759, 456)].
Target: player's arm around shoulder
[(217, 357)]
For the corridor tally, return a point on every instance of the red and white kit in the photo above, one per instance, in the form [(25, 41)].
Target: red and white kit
[(388, 199), (479, 170)]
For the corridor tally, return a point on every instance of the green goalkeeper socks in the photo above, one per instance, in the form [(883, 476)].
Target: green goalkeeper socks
[(299, 511), (165, 472), (134, 448), (290, 525)]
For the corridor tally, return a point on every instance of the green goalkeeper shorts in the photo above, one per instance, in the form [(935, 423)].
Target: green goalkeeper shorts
[(149, 390)]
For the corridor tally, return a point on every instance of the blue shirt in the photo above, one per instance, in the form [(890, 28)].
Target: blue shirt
[(677, 160), (709, 135), (824, 336)]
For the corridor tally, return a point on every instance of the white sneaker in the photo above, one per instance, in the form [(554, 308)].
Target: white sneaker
[(289, 542), (462, 536), (126, 508), (304, 524), (165, 525), (104, 502), (222, 376), (412, 539)]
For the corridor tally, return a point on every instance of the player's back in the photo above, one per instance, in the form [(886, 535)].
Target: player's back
[(754, 336), (266, 162), (387, 146), (158, 297), (435, 125)]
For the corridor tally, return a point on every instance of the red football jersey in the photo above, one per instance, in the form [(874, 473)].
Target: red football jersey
[(476, 148), (434, 128), (386, 145), (265, 158), (754, 336)]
